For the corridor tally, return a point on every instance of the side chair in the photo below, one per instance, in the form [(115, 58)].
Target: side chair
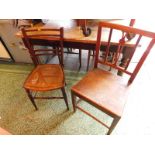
[(104, 89), (44, 77)]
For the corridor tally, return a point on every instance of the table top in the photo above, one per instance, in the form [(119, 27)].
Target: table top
[(73, 33)]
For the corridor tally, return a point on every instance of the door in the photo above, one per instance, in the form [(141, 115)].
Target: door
[(4, 52)]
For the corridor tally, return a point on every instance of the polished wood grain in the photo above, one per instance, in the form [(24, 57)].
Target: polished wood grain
[(45, 77), (103, 89)]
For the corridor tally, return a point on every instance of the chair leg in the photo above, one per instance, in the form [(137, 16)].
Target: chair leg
[(80, 58), (65, 97), (93, 54), (73, 101), (31, 98), (62, 58), (113, 125), (89, 53), (69, 50), (60, 62), (59, 57)]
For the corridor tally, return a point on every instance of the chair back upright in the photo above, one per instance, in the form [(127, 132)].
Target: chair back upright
[(110, 35), (38, 39)]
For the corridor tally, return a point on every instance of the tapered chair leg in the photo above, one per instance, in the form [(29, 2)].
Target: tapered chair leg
[(114, 123), (65, 97), (69, 50), (93, 54), (89, 53), (31, 98), (73, 100), (59, 57), (80, 58)]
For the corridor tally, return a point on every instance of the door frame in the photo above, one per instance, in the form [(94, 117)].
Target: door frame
[(11, 59)]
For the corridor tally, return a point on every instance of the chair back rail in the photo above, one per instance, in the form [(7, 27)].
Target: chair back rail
[(43, 37), (112, 58)]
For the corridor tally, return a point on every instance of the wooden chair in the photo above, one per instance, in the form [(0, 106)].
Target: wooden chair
[(44, 77), (105, 90)]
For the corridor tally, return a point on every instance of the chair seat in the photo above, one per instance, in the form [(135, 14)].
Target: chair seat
[(100, 88), (45, 77)]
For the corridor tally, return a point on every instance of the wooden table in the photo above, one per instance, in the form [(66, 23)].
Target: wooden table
[(74, 37)]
